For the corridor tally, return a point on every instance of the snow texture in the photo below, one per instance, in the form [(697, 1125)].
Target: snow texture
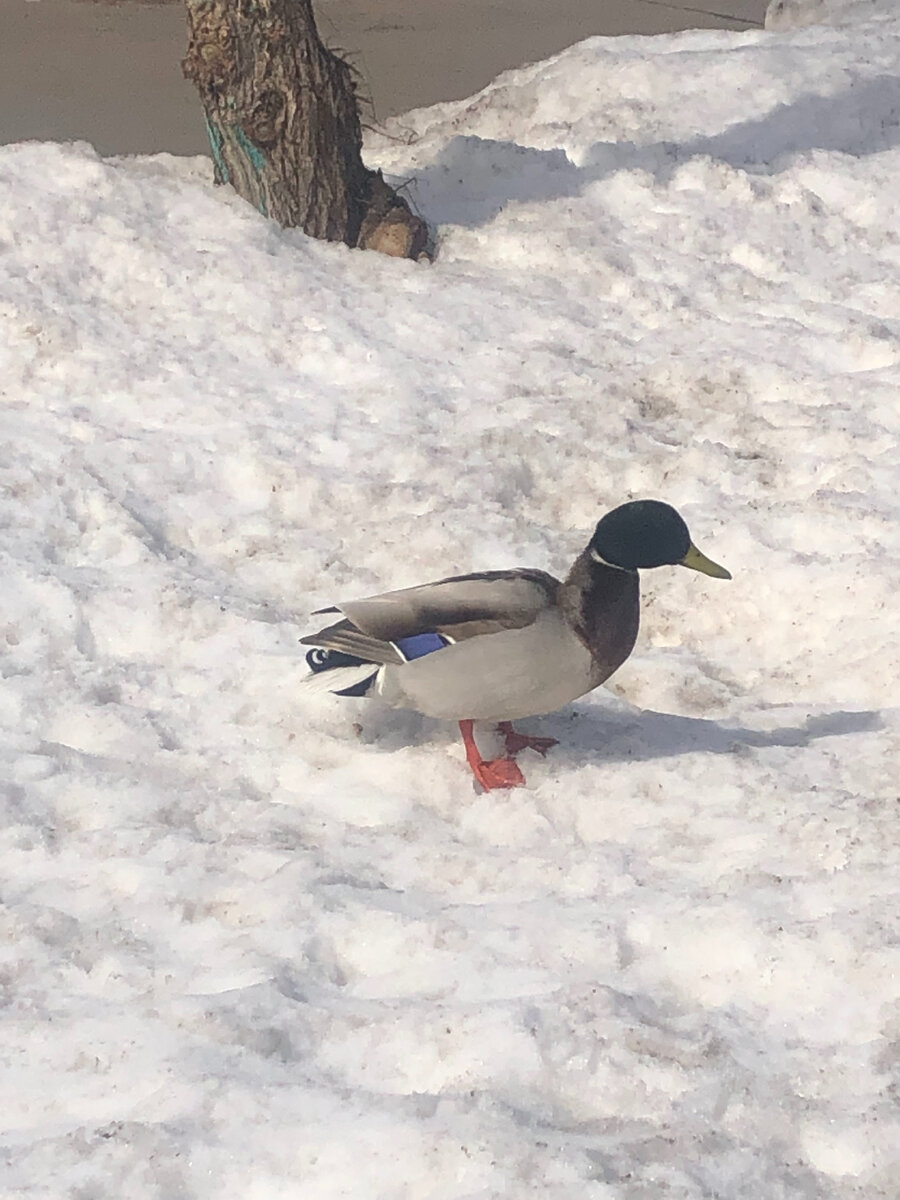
[(795, 14), (273, 946)]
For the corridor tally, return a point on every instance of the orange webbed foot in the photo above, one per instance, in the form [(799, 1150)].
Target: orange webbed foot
[(491, 773), (516, 741), (498, 773)]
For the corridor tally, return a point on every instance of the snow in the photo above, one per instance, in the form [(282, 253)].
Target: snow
[(270, 945), (795, 14)]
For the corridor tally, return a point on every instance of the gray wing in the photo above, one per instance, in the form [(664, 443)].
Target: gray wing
[(461, 607)]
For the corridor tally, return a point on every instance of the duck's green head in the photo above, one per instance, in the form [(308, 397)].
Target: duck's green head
[(648, 533)]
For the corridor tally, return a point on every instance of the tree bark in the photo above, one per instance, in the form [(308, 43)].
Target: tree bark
[(283, 124)]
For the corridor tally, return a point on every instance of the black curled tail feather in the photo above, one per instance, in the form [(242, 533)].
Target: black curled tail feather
[(319, 660), (326, 660)]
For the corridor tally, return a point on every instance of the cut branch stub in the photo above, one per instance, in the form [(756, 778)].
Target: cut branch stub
[(283, 124)]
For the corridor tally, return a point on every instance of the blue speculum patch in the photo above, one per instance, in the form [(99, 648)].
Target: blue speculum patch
[(420, 644)]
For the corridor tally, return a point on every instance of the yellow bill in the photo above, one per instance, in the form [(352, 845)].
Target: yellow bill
[(699, 562)]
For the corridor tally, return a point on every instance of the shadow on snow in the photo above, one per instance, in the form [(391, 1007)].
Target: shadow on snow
[(600, 734), (474, 178)]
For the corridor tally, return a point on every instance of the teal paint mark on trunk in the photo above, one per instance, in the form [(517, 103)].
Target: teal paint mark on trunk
[(252, 151), (257, 161), (216, 142)]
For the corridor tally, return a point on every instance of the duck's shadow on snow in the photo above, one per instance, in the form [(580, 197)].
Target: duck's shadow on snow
[(599, 733), (473, 178)]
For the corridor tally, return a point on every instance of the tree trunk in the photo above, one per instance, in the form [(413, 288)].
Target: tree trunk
[(284, 128)]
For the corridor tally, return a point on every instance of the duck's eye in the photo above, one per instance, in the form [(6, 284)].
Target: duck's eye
[(317, 659)]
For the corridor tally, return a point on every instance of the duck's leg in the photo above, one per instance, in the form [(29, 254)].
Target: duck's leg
[(524, 741), (497, 772)]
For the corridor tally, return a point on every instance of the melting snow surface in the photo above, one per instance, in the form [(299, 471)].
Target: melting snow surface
[(265, 945)]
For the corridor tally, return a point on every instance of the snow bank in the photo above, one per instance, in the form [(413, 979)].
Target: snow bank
[(265, 946), (795, 14)]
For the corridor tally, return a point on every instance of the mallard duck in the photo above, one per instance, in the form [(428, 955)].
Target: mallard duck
[(497, 646)]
